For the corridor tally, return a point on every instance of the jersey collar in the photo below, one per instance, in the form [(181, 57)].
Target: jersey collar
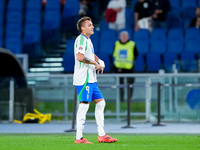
[(84, 35)]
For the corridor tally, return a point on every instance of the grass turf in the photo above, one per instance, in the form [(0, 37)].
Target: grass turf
[(125, 142)]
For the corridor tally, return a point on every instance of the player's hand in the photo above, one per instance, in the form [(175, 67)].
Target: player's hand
[(102, 68), (97, 66)]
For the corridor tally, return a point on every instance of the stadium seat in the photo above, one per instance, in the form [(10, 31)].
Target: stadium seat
[(168, 60), (71, 8), (95, 36), (153, 62), (130, 21), (103, 24), (1, 19), (188, 13), (70, 16), (32, 40), (175, 46), (33, 16), (95, 40), (2, 6), (51, 28), (53, 5), (70, 45), (133, 4), (1, 31), (106, 46), (175, 34), (186, 23), (192, 33), (139, 65), (68, 62), (1, 42), (33, 5), (188, 62), (14, 17), (174, 18), (192, 45), (107, 34), (142, 34), (198, 2), (158, 33), (96, 46), (142, 46), (158, 46), (175, 3), (13, 31), (188, 3), (14, 45), (15, 5)]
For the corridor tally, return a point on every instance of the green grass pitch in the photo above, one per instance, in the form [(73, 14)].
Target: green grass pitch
[(65, 141)]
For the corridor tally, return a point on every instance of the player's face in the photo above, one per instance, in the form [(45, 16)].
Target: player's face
[(88, 28)]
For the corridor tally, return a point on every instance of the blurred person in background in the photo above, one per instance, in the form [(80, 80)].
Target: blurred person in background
[(143, 18), (120, 21), (125, 53), (195, 22), (159, 10)]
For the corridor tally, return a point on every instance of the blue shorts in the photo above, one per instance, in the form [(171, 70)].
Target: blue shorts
[(89, 93)]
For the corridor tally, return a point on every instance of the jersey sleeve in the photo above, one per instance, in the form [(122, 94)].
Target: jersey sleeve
[(81, 45)]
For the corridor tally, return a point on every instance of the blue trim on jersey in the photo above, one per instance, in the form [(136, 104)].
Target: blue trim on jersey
[(90, 93), (84, 35)]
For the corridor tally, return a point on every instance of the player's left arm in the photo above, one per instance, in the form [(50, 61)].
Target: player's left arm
[(101, 62)]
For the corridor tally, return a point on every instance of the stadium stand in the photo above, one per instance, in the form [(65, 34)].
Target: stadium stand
[(168, 61), (68, 57), (142, 34), (139, 65), (51, 28), (153, 61), (37, 27), (103, 24), (158, 46), (158, 33), (142, 46), (33, 5), (192, 45), (175, 3), (188, 62), (188, 3), (175, 34), (174, 18), (175, 46), (192, 33), (32, 40), (14, 44), (70, 46), (70, 16), (33, 16)]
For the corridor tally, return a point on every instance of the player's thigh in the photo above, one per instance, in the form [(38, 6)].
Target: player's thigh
[(97, 96), (85, 93)]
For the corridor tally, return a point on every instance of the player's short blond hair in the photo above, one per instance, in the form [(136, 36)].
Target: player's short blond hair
[(81, 22)]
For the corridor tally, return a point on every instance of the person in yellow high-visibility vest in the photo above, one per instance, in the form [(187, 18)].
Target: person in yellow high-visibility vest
[(125, 52)]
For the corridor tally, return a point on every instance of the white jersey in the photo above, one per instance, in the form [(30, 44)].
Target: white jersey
[(84, 72)]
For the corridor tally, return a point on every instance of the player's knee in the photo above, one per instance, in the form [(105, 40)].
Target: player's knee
[(102, 103)]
